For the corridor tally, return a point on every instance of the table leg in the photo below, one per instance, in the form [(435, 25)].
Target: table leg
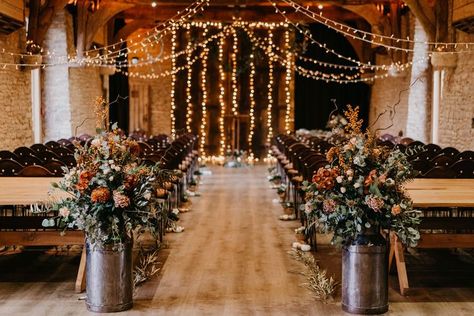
[(81, 273)]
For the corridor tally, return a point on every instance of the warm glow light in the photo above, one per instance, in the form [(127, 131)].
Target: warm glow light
[(203, 137), (270, 86), (189, 103), (154, 4), (222, 77)]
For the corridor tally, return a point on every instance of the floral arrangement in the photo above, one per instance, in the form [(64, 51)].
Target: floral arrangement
[(362, 188), (109, 192)]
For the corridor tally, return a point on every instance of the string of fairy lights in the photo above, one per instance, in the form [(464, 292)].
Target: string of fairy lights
[(189, 70), (203, 134), (222, 101), (118, 54), (270, 86), (288, 78)]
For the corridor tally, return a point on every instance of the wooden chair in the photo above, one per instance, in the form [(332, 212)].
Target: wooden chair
[(47, 156), (465, 155), (432, 148), (422, 166), (9, 168), (463, 168), (406, 141), (24, 151), (55, 167), (442, 160), (449, 151), (439, 172), (34, 171), (37, 148), (7, 155), (29, 161)]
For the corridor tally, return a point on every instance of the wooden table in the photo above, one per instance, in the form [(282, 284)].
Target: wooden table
[(38, 190), (448, 193)]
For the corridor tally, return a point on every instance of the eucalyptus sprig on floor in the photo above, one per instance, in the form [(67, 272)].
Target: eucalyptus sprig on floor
[(319, 283), (147, 266)]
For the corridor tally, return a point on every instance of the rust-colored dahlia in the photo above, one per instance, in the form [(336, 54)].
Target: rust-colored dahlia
[(100, 195), (84, 179)]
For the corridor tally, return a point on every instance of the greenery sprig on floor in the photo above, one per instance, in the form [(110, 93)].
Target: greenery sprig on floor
[(319, 283)]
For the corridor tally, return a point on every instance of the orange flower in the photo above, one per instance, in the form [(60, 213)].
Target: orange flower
[(396, 209), (84, 179), (370, 178), (100, 195)]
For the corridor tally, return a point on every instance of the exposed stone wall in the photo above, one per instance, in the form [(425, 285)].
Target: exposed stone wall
[(85, 85), (419, 96), (55, 87), (15, 97), (159, 89), (68, 92), (457, 103)]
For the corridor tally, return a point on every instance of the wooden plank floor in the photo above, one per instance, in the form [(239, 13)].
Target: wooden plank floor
[(231, 260)]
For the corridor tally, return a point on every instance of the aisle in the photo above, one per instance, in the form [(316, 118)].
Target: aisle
[(232, 258)]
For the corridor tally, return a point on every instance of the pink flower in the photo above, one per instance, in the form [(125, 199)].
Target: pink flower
[(329, 206), (374, 203), (64, 211)]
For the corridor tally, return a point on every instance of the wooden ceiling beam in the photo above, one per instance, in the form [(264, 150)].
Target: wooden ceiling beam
[(225, 14)]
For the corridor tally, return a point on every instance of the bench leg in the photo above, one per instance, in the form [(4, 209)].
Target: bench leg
[(400, 263), (81, 273)]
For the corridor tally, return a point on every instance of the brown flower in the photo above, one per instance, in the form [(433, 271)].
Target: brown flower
[(130, 181), (370, 178), (134, 148), (121, 200), (100, 195), (396, 209), (84, 179)]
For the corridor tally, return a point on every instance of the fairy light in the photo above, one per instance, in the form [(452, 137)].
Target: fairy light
[(252, 103), (173, 82), (289, 68), (204, 98), (189, 109), (235, 92), (270, 86), (222, 78), (369, 37)]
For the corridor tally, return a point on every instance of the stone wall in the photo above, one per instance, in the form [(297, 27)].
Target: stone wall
[(68, 92), (55, 86), (159, 89), (457, 104), (85, 86), (15, 97)]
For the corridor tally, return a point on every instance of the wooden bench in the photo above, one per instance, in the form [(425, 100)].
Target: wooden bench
[(437, 193), (27, 230)]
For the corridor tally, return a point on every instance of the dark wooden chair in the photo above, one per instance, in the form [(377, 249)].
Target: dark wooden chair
[(35, 171), (46, 156), (449, 151), (422, 166), (440, 172), (8, 155), (406, 141), (30, 161), (432, 148), (55, 167), (52, 144), (463, 168), (465, 155), (62, 152), (37, 148), (24, 151), (64, 142), (442, 160), (9, 168)]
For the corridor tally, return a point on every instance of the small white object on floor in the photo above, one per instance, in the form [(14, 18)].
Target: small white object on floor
[(300, 246), (190, 193), (175, 211), (276, 201), (286, 217), (184, 210)]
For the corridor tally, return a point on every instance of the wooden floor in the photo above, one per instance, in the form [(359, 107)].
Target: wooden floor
[(231, 260)]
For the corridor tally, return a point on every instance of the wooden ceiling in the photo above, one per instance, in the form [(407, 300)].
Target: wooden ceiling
[(226, 10)]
